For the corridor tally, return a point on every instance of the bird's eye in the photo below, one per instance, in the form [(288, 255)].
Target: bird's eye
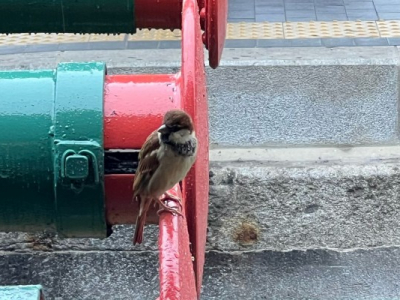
[(175, 128)]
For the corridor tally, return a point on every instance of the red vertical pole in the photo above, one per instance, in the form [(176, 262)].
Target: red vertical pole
[(177, 280), (194, 93)]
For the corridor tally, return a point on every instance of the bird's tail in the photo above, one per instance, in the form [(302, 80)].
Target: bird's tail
[(141, 221)]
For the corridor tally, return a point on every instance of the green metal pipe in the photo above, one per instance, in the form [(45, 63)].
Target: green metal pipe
[(51, 150), (67, 16), (26, 166)]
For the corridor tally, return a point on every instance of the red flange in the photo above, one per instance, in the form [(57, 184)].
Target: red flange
[(214, 16), (194, 87)]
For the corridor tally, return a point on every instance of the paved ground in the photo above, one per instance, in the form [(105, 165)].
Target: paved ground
[(252, 23), (312, 10)]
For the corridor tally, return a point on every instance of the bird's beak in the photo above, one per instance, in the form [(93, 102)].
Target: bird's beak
[(163, 129)]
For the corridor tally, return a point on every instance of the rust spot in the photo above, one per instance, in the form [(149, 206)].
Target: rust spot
[(40, 242), (247, 233)]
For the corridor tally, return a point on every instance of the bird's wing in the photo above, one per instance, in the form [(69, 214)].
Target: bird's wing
[(148, 163), (150, 144)]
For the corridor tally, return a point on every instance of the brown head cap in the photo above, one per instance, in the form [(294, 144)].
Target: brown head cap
[(177, 119)]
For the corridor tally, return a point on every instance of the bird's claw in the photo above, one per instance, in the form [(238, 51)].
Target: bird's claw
[(168, 195), (172, 210)]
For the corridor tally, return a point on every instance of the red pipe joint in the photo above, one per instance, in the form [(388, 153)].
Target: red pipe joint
[(134, 106), (160, 14), (167, 14)]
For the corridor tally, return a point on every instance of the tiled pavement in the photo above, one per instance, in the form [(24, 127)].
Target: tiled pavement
[(312, 10), (252, 23)]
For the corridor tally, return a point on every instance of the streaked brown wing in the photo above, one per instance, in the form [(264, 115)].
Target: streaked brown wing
[(148, 163), (149, 145)]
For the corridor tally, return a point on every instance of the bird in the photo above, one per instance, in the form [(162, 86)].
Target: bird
[(165, 158)]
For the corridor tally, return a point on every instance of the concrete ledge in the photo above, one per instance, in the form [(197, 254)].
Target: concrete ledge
[(315, 155), (166, 58)]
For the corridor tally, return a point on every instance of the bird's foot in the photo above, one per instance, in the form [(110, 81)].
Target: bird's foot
[(167, 195), (164, 207)]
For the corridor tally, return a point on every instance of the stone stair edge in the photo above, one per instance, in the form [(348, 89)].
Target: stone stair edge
[(232, 57)]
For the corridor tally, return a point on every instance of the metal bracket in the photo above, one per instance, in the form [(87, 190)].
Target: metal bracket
[(75, 165)]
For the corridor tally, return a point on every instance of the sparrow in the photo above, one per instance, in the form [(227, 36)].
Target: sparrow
[(164, 160)]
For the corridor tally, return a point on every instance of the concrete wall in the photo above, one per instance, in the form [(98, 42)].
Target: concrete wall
[(304, 105)]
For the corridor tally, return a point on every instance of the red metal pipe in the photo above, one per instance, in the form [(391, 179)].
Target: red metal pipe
[(120, 207), (167, 14), (177, 280), (134, 106), (159, 14)]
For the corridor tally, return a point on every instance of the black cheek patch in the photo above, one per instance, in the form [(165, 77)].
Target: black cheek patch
[(165, 138)]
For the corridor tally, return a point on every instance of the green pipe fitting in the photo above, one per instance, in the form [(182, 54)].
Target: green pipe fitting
[(60, 16), (51, 150)]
